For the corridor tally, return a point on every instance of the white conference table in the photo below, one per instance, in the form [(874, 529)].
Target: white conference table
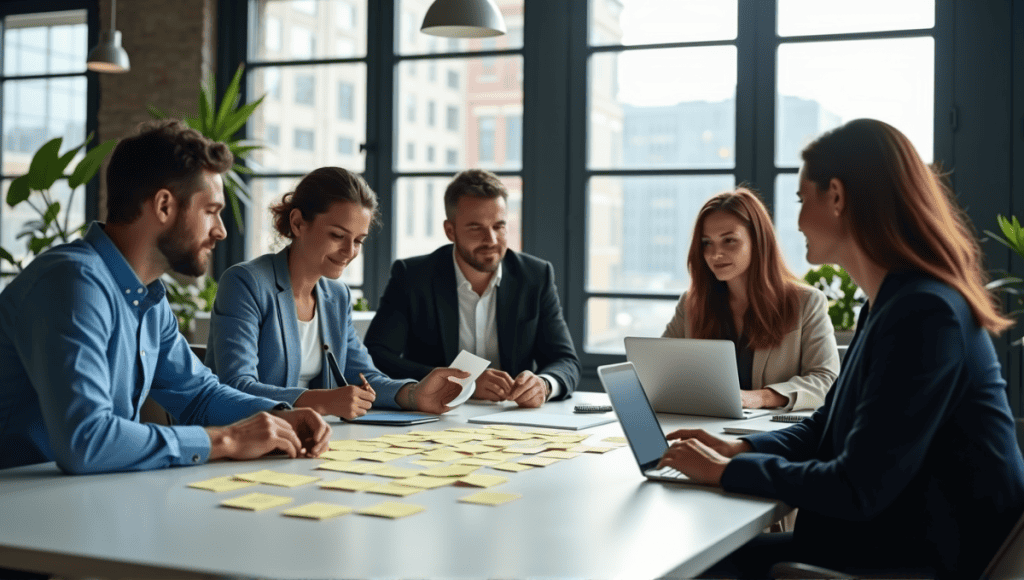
[(593, 516)]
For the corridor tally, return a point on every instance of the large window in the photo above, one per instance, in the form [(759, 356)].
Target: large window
[(662, 135), (43, 85), (483, 86), (323, 58)]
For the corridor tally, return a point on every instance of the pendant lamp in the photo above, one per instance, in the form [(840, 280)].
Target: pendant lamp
[(108, 56), (463, 19)]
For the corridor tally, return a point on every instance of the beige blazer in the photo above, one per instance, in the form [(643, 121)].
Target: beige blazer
[(806, 363)]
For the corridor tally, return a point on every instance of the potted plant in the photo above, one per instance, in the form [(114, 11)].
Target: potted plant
[(1011, 286), (844, 298), (46, 169)]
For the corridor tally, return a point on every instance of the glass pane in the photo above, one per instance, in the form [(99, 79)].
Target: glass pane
[(313, 116), (419, 214), (470, 117), (36, 111), (637, 22), (805, 17), (639, 230), (825, 84), (307, 29), (12, 220), (409, 40), (262, 238), (787, 211), (609, 320), (641, 117), (45, 43)]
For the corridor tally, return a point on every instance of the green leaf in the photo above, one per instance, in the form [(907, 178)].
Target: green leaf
[(43, 162), (155, 112), (230, 99), (18, 191), (205, 111), (239, 118), (238, 187), (243, 151), (90, 164), (38, 245), (5, 255), (51, 213)]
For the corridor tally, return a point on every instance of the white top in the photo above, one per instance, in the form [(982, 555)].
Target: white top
[(478, 321), (312, 350)]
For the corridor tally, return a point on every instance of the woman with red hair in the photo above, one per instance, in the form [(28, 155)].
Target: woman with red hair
[(742, 291), (912, 464)]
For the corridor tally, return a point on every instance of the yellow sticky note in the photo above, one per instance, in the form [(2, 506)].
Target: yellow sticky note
[(443, 455), (409, 445), (424, 481), (343, 444), (512, 467), (539, 461), (269, 477), (427, 462), (392, 471), (226, 483), (598, 449), (335, 465), (470, 448), (559, 454), (482, 480), (477, 461), (391, 509), (615, 440), (451, 470), (393, 489), (318, 511), (382, 456), (528, 450), (499, 455), (490, 498), (341, 455), (348, 484), (256, 501), (359, 467)]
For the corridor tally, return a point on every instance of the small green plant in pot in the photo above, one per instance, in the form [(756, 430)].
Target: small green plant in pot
[(188, 299), (1011, 286), (844, 297)]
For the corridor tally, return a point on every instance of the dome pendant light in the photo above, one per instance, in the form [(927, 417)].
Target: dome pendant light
[(463, 19), (108, 56)]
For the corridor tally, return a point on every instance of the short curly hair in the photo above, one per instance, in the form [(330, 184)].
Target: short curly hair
[(166, 154), (474, 182)]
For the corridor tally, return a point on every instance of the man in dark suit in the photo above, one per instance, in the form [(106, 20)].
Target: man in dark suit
[(476, 295)]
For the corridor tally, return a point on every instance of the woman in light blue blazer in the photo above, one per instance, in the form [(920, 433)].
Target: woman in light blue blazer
[(282, 327)]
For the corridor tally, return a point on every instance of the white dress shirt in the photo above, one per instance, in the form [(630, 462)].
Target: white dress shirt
[(478, 321), (312, 350)]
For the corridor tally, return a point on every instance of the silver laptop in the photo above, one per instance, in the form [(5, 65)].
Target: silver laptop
[(690, 376), (638, 421)]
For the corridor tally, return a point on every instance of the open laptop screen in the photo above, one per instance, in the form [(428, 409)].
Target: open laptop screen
[(635, 414)]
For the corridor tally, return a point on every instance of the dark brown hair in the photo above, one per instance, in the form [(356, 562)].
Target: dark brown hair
[(772, 290), (475, 182), (318, 191), (165, 154), (900, 212)]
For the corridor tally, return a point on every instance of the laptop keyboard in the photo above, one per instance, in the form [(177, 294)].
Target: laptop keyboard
[(667, 472)]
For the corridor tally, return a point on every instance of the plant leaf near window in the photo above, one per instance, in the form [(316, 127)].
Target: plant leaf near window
[(844, 297), (220, 123), (48, 167), (187, 299), (1011, 286)]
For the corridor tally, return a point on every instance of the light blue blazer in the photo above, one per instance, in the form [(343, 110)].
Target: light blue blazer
[(254, 334)]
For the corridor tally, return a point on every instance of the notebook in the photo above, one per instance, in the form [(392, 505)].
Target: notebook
[(638, 420), (690, 376)]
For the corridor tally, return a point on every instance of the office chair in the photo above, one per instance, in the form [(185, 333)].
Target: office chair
[(153, 412)]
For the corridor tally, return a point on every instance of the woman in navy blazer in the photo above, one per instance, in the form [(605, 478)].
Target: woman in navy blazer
[(912, 463), (255, 344)]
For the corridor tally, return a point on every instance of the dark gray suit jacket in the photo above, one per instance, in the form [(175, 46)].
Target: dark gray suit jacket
[(416, 327)]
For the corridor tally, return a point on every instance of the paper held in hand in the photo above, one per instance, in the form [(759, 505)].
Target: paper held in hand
[(475, 366)]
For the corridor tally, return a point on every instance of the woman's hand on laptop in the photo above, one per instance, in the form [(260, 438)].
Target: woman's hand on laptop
[(696, 460), (721, 446)]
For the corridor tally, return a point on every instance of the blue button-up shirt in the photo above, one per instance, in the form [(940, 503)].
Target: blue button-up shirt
[(82, 343)]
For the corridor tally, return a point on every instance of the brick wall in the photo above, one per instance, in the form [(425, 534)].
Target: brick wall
[(171, 46)]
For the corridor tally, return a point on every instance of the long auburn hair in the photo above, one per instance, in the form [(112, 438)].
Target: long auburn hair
[(900, 211), (772, 290)]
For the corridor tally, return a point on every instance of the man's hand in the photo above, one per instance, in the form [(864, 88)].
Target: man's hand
[(529, 390), (347, 402), (720, 446), (696, 460), (301, 432), (763, 399), (493, 385), (433, 393)]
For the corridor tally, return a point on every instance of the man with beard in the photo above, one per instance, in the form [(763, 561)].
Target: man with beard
[(476, 295), (86, 335)]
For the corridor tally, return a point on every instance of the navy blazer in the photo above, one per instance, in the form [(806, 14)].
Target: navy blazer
[(912, 462), (416, 327), (254, 334)]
